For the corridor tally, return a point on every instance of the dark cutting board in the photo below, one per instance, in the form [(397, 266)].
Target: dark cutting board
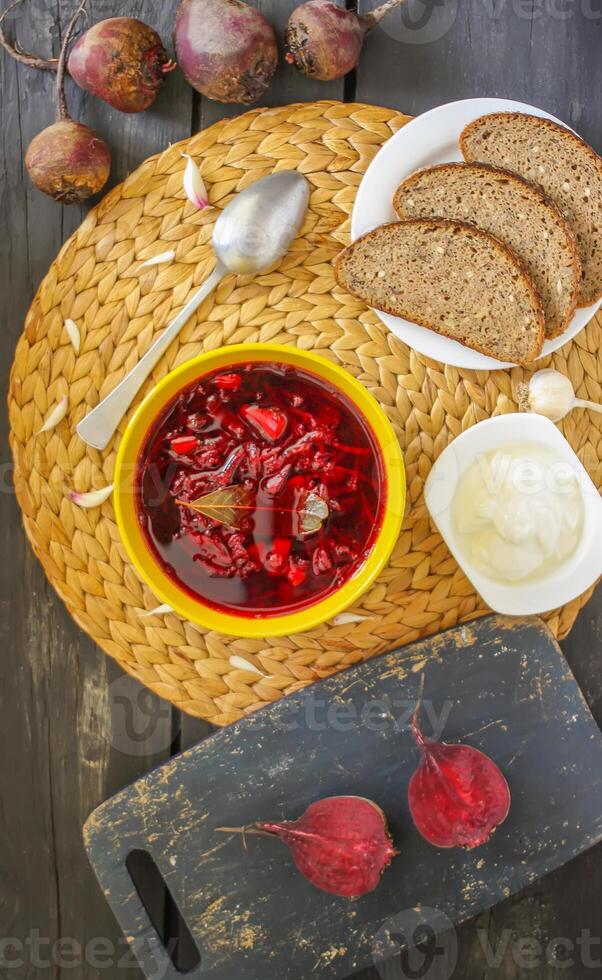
[(502, 685)]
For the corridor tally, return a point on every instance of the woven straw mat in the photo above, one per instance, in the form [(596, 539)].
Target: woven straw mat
[(119, 307)]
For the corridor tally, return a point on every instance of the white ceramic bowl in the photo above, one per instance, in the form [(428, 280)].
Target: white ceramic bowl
[(572, 577), (427, 140)]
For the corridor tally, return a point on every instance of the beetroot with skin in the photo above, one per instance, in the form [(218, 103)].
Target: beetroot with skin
[(226, 49), (324, 40), (457, 796), (68, 161), (122, 61), (341, 844)]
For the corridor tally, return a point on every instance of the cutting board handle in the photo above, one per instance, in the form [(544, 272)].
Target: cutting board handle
[(130, 911)]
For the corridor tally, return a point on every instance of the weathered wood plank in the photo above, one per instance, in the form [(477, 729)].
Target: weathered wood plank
[(547, 54), (72, 724)]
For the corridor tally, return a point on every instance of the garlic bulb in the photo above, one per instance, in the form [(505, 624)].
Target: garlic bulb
[(551, 393)]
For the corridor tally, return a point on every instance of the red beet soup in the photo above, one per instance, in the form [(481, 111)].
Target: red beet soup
[(260, 489)]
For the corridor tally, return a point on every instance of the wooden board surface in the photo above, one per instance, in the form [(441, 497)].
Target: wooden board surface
[(501, 685), (72, 729)]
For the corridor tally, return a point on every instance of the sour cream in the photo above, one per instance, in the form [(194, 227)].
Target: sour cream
[(518, 512)]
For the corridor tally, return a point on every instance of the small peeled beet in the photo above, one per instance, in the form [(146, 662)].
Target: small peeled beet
[(226, 49), (457, 796), (68, 161), (324, 40), (122, 61), (341, 844)]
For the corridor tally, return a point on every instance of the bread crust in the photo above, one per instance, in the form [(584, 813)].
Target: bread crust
[(555, 128), (471, 230), (537, 193)]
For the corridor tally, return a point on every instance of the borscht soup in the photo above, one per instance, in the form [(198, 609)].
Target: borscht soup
[(260, 489)]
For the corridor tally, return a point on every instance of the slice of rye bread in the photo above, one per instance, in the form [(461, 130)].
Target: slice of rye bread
[(513, 210), (563, 165), (452, 278)]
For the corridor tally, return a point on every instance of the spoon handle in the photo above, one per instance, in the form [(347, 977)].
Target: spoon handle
[(99, 425), (583, 403)]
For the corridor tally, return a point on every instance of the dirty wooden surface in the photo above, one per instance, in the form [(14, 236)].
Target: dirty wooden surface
[(73, 730)]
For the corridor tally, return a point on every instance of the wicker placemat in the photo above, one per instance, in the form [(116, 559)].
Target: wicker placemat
[(119, 307)]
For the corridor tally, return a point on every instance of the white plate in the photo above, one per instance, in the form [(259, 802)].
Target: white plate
[(572, 577), (429, 139)]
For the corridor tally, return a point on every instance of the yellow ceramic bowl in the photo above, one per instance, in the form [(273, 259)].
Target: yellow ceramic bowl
[(147, 565)]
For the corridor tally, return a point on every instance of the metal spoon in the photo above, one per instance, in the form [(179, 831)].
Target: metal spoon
[(253, 232)]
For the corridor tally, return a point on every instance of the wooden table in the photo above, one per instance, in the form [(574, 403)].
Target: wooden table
[(73, 729)]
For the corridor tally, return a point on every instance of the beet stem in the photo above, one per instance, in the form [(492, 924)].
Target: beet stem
[(416, 730), (16, 52), (372, 19), (63, 112), (251, 829), (245, 831)]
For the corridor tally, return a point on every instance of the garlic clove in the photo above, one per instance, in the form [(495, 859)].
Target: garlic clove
[(57, 415), (239, 663), (73, 333), (160, 259), (161, 610), (346, 618), (194, 185), (94, 498)]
